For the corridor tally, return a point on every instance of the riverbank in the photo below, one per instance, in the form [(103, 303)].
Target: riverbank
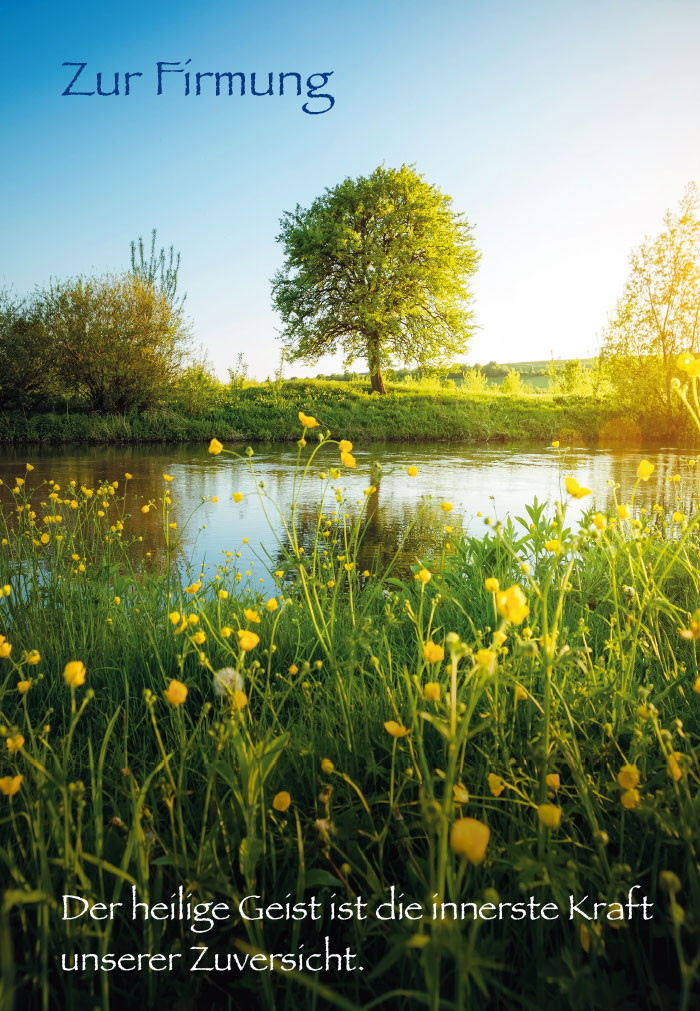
[(269, 413)]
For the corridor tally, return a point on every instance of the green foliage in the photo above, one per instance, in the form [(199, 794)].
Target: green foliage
[(117, 342), (156, 271), (657, 317), (474, 381), (575, 381), (27, 362), (511, 383), (378, 267)]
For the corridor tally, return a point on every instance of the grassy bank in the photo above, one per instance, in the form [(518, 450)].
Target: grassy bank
[(462, 743), (269, 413)]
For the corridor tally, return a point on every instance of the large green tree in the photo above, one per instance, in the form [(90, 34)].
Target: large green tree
[(379, 267), (658, 315)]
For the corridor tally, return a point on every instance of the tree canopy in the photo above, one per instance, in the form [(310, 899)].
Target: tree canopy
[(379, 267), (658, 315)]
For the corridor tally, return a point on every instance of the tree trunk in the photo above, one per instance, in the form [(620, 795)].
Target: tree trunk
[(378, 384)]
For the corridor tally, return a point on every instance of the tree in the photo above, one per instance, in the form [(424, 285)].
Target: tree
[(27, 362), (155, 270), (658, 315), (117, 341), (379, 266)]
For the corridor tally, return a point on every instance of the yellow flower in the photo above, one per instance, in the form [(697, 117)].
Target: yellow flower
[(696, 686), (645, 470), (555, 443), (553, 781), (239, 700), (5, 648), (327, 766), (199, 637), (623, 511), (678, 517), (499, 638), (345, 446), (412, 471), (512, 605), (486, 659), (128, 476), (575, 489), (9, 785), (629, 799), (446, 507), (492, 585), (226, 631), (23, 687), (432, 652), (395, 729), (599, 521), (460, 793), (45, 538), (14, 742), (223, 594), (281, 801), (174, 616), (74, 673), (33, 657), (552, 545), (496, 784), (29, 466), (424, 576), (237, 497), (628, 777), (469, 838), (247, 640), (293, 669), (684, 360), (272, 604), (307, 420), (673, 768), (549, 815), (215, 447), (432, 691), (520, 693), (167, 477), (194, 587), (176, 693), (251, 615), (145, 509), (348, 460)]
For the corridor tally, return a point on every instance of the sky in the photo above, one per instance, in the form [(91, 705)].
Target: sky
[(563, 130)]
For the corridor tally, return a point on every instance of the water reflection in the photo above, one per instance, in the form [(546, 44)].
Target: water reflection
[(493, 481)]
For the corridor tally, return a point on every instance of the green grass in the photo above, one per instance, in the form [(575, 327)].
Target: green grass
[(269, 413), (123, 788)]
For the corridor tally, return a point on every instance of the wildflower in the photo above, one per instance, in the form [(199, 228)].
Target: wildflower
[(469, 838), (553, 781), (128, 476), (366, 574), (628, 777), (520, 693), (74, 673), (223, 594), (282, 800), (678, 517), (424, 576), (194, 587), (446, 507), (549, 815), (684, 360), (460, 794), (227, 681), (145, 509), (575, 489), (215, 447), (496, 784), (512, 605), (623, 511), (239, 700), (599, 521), (307, 420), (14, 742), (696, 686), (176, 693), (247, 640), (251, 616), (345, 446), (23, 687), (226, 632), (555, 443), (237, 497), (174, 616), (412, 471), (630, 799), (492, 585), (348, 460), (167, 477), (293, 669), (552, 545), (645, 470), (199, 637), (693, 630), (395, 729), (499, 638), (486, 659), (432, 652), (432, 691), (45, 538), (33, 657), (272, 604), (9, 785)]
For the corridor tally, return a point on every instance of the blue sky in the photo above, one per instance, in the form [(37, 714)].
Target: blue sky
[(563, 130)]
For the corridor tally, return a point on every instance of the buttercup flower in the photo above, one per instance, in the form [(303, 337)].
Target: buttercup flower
[(469, 838), (623, 511), (327, 766), (247, 640), (553, 781), (395, 729), (512, 605), (599, 521), (348, 460), (492, 585), (630, 799), (412, 471), (250, 615), (549, 815), (215, 447), (345, 446), (496, 784), (628, 777), (23, 687), (307, 420), (424, 576), (176, 693), (575, 489), (9, 785), (460, 793), (432, 652), (432, 691), (645, 470), (281, 801), (74, 673), (15, 742), (486, 659)]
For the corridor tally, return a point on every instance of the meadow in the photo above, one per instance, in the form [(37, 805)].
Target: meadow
[(512, 723)]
